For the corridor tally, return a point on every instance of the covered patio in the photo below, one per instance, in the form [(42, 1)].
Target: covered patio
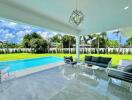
[(53, 15), (65, 82)]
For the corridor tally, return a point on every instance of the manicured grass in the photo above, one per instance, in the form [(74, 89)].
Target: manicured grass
[(115, 57)]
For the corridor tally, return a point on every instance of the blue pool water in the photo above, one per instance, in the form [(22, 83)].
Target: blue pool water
[(29, 63)]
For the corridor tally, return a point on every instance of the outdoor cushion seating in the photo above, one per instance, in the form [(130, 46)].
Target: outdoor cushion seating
[(128, 69), (69, 60), (124, 63), (98, 61), (88, 58), (124, 75)]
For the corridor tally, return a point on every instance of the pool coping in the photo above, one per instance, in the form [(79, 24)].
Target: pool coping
[(29, 71)]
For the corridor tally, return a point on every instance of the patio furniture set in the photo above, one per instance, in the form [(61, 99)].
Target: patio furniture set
[(123, 71)]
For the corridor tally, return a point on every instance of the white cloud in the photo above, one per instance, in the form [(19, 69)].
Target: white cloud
[(27, 27), (2, 31), (54, 33), (21, 34), (45, 35), (12, 23), (9, 36), (28, 31)]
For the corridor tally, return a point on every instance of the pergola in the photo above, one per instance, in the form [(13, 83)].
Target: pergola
[(100, 15)]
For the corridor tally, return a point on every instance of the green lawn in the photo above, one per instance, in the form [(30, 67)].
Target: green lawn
[(115, 57)]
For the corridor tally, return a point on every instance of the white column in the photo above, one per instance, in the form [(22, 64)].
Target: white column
[(77, 48)]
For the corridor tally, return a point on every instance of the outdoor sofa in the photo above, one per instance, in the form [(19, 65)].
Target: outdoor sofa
[(103, 62)]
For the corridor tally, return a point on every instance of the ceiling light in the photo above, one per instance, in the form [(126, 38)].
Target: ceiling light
[(76, 17), (125, 8)]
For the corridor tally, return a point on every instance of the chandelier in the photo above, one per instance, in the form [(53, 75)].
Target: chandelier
[(76, 17)]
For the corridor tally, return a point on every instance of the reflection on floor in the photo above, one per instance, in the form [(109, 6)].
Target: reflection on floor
[(64, 83)]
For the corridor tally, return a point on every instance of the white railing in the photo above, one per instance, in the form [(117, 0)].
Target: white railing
[(93, 50), (15, 50), (71, 50)]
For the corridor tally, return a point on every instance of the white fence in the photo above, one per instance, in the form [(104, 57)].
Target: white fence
[(15, 50), (71, 50), (93, 50)]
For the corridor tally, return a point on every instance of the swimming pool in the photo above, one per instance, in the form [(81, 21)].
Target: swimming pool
[(17, 65)]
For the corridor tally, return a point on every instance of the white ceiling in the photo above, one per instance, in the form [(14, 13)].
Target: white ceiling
[(100, 15)]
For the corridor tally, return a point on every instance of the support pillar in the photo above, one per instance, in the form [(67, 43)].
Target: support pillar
[(77, 48)]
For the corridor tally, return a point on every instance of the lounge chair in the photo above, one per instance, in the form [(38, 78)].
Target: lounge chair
[(69, 60), (123, 75)]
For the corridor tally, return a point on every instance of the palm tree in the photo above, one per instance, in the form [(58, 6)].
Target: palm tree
[(100, 40), (68, 40), (103, 34), (129, 42), (97, 36), (1, 44)]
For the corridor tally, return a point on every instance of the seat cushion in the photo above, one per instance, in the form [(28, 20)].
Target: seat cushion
[(88, 62), (102, 65), (104, 60), (120, 75), (88, 58), (74, 62), (128, 69), (68, 59), (93, 63), (95, 59)]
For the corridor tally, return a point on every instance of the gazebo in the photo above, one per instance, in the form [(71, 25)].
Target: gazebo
[(99, 15)]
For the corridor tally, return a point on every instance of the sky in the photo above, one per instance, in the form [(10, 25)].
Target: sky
[(14, 32)]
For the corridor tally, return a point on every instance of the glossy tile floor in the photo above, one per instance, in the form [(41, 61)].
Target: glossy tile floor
[(65, 83)]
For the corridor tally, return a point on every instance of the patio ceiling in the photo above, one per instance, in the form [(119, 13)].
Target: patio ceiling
[(100, 15)]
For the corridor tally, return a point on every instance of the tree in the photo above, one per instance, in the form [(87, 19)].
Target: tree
[(40, 45), (35, 36), (8, 45), (68, 41), (35, 41), (26, 41), (56, 38), (112, 43), (129, 42), (104, 35), (100, 40), (96, 42)]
